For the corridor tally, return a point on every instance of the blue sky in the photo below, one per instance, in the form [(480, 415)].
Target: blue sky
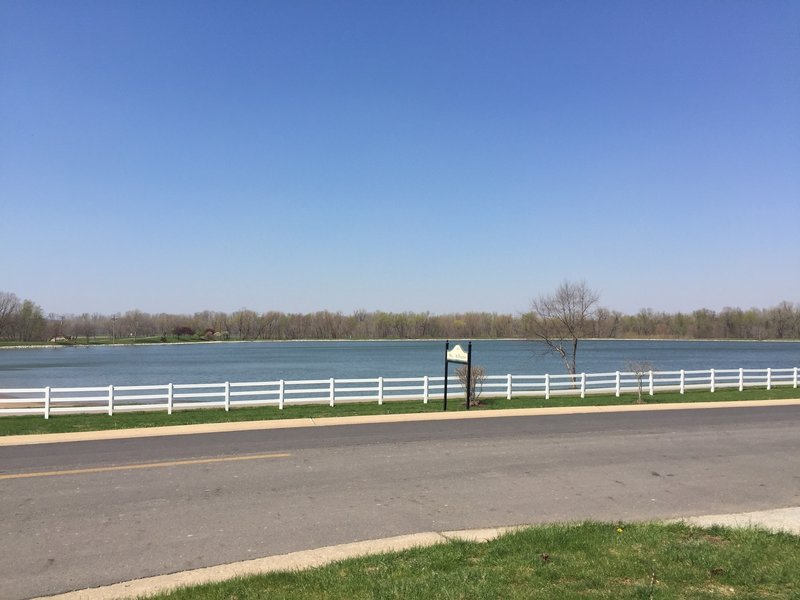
[(443, 156)]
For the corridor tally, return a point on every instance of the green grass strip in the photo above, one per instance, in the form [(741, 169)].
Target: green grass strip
[(60, 423), (588, 560)]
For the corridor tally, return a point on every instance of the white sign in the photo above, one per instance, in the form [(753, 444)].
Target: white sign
[(458, 355)]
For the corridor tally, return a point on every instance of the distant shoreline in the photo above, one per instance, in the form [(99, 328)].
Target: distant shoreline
[(339, 340)]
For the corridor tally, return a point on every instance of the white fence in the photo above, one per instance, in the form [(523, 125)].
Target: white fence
[(110, 399)]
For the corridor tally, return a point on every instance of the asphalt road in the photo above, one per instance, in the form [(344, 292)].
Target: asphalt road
[(330, 485)]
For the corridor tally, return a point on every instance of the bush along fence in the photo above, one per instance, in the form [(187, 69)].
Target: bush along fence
[(176, 396)]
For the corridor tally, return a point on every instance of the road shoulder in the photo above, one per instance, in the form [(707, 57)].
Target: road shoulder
[(781, 519)]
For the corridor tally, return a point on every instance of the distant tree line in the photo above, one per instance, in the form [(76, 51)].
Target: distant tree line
[(24, 321)]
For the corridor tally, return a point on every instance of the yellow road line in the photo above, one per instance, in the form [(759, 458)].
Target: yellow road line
[(172, 463)]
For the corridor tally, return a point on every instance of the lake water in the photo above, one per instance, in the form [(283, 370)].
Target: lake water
[(265, 361)]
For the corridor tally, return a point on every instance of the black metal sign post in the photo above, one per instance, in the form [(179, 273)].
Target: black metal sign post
[(457, 356), (446, 364), (469, 371)]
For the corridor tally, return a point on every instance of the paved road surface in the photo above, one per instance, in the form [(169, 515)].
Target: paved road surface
[(341, 484)]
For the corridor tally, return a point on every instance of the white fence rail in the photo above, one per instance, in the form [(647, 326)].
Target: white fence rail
[(123, 398)]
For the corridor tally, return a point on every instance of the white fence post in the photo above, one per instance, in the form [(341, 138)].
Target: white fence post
[(795, 377), (47, 402), (741, 379), (425, 388), (650, 381), (170, 398), (281, 388), (683, 381), (769, 378), (380, 391), (227, 396), (333, 392), (509, 385), (547, 386), (110, 400), (583, 385), (711, 385), (616, 386)]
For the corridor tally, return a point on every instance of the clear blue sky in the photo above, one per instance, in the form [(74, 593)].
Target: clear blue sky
[(443, 156)]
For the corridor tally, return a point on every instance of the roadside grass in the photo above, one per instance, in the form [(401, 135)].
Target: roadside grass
[(588, 560), (61, 423)]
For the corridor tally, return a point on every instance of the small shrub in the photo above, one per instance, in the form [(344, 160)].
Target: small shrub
[(478, 376)]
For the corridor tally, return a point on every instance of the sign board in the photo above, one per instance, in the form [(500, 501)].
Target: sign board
[(457, 355)]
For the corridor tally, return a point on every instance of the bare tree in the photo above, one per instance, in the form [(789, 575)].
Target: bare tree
[(606, 323), (478, 377), (781, 318), (639, 370), (132, 322), (245, 323), (562, 319), (9, 306), (86, 326)]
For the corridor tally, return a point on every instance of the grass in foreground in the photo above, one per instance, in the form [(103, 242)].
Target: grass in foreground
[(589, 560), (24, 425)]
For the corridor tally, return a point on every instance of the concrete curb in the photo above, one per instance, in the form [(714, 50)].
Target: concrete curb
[(168, 430), (782, 519), (779, 519)]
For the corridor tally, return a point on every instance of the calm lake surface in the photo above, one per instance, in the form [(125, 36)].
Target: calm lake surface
[(265, 361)]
